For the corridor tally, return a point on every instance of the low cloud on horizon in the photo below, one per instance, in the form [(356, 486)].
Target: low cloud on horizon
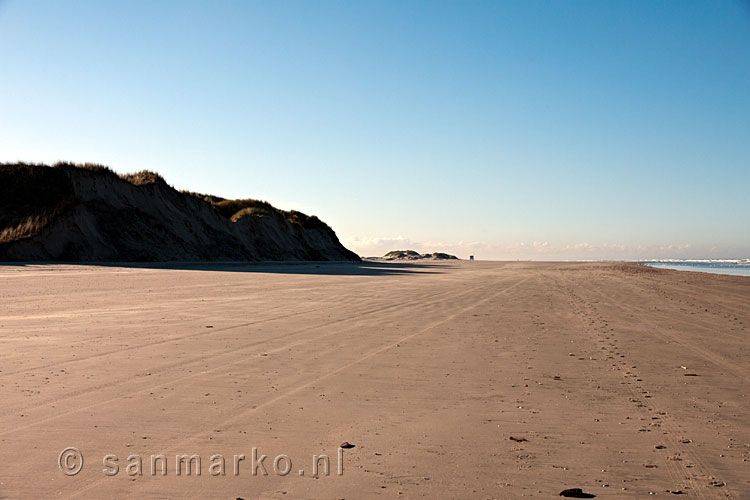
[(540, 250)]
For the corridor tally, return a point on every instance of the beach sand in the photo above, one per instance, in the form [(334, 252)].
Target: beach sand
[(613, 378)]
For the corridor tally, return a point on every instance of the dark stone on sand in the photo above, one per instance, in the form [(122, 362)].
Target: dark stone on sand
[(576, 493)]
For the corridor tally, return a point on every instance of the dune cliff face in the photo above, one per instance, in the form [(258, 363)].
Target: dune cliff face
[(75, 213)]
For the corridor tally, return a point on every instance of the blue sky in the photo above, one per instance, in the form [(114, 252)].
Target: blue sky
[(539, 130)]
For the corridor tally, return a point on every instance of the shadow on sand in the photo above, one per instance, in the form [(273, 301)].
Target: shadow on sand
[(364, 268)]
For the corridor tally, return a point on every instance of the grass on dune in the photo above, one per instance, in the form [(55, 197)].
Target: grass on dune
[(32, 195)]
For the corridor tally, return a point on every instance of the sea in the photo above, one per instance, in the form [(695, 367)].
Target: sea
[(735, 267)]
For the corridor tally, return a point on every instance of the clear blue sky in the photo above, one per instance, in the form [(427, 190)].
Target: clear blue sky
[(520, 129)]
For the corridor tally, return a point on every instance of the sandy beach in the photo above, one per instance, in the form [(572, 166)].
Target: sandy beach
[(452, 380)]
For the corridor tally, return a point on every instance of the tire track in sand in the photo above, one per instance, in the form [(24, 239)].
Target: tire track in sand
[(390, 345)]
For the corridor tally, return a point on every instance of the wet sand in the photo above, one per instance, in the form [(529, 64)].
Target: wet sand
[(616, 379)]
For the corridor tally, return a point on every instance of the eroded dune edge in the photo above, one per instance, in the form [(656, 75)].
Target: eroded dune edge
[(89, 213)]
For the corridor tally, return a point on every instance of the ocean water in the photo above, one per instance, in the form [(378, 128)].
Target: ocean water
[(735, 267)]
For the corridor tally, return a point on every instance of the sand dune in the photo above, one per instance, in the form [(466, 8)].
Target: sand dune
[(88, 213), (414, 255), (451, 380)]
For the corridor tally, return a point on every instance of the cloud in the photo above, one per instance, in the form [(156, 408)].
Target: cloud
[(529, 250), (368, 246)]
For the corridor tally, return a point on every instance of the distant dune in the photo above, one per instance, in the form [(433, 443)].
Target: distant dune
[(412, 255), (69, 212)]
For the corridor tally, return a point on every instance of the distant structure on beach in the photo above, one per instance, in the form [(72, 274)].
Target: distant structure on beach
[(471, 257)]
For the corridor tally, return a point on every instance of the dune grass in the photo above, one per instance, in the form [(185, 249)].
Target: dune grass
[(234, 210), (143, 178), (32, 195)]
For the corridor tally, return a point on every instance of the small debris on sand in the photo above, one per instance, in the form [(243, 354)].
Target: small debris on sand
[(518, 439), (346, 445)]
